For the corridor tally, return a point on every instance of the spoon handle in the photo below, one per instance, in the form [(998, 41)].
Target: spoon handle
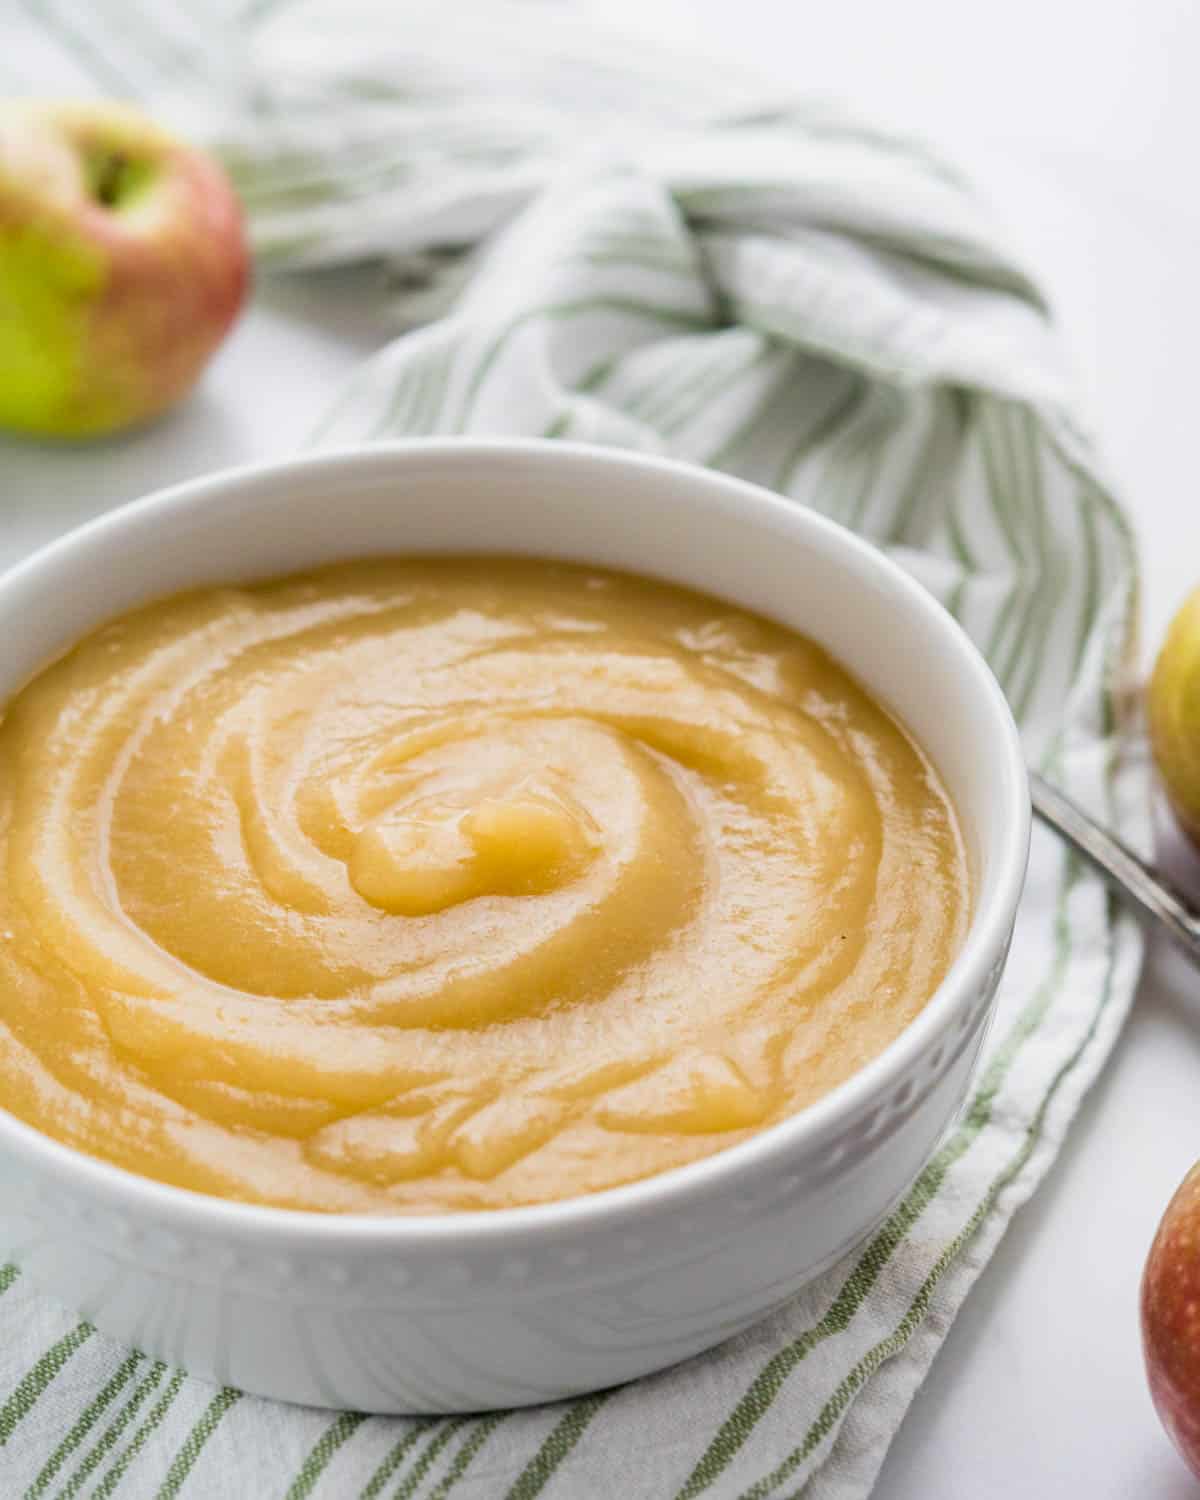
[(1156, 897)]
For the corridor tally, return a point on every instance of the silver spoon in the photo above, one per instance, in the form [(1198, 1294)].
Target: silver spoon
[(1149, 891)]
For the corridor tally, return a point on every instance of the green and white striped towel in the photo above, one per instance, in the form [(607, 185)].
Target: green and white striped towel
[(755, 285)]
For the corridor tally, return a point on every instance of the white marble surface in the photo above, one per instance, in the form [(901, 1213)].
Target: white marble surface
[(1081, 121)]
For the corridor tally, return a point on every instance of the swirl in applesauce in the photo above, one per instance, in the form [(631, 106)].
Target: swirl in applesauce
[(453, 884)]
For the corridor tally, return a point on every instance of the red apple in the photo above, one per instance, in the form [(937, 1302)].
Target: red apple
[(123, 264), (1171, 1319)]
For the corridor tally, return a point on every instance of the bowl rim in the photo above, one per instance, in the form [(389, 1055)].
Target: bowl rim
[(986, 939)]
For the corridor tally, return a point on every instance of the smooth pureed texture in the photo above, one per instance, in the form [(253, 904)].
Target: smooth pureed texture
[(417, 885)]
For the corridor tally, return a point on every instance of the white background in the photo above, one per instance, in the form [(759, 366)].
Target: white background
[(1082, 119)]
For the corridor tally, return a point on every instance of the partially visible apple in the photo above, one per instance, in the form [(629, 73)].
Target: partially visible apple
[(123, 264), (1171, 1319), (1173, 710)]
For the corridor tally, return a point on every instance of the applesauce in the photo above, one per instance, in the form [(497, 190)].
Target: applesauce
[(456, 883)]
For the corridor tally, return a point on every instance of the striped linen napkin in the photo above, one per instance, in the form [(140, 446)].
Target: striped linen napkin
[(684, 267)]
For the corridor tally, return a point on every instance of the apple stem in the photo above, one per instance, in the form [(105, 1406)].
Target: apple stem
[(108, 172)]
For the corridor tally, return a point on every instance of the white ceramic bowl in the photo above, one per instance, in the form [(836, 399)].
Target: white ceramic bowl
[(465, 1311)]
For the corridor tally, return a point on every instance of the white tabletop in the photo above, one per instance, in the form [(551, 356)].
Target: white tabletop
[(1081, 121)]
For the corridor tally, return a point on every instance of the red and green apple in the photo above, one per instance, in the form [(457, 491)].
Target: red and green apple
[(1171, 1319), (123, 264)]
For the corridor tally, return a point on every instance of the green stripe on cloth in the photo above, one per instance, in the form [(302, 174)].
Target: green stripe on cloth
[(411, 1482), (541, 1468), (466, 1455), (32, 1386), (87, 1420), (798, 299), (374, 1486), (339, 1431), (159, 1410), (193, 1444), (112, 1434)]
